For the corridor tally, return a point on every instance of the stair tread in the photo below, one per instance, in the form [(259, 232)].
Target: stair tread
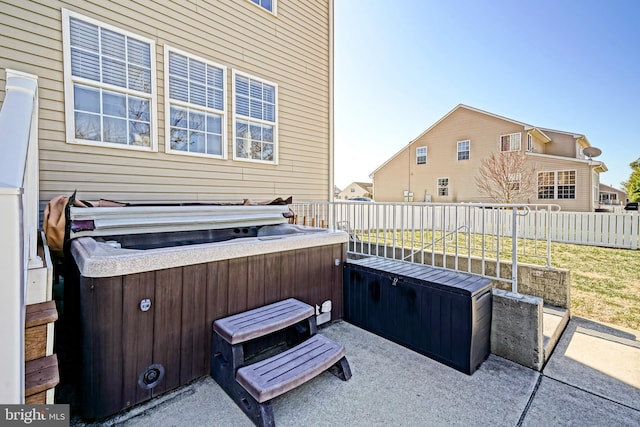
[(41, 374), (40, 314), (262, 321), (285, 371)]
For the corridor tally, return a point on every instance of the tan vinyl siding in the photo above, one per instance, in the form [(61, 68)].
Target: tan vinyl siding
[(390, 181), (483, 131), (583, 201), (561, 145), (290, 49)]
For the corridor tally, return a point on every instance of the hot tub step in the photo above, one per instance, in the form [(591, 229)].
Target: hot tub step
[(262, 321), (285, 371)]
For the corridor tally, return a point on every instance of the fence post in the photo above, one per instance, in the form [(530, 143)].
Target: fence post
[(514, 251)]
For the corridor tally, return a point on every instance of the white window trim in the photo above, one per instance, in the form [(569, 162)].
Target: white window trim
[(595, 176), (234, 117), (458, 150), (555, 183), (509, 150), (274, 3), (529, 143), (438, 186), (168, 102), (426, 155), (69, 81)]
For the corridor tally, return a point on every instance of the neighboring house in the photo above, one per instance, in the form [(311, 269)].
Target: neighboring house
[(178, 101), (336, 191), (612, 196), (441, 164), (356, 189)]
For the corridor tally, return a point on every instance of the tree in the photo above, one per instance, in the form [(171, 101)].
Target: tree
[(633, 184), (507, 177)]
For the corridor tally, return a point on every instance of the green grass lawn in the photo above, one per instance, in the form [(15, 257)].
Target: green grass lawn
[(605, 283)]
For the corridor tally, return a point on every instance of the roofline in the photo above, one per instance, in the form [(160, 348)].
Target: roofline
[(526, 127), (602, 166), (612, 188)]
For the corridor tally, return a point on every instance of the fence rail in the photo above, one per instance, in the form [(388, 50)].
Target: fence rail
[(544, 223), (475, 238)]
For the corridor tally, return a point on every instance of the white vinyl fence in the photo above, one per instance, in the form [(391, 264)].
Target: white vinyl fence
[(542, 224), (614, 230)]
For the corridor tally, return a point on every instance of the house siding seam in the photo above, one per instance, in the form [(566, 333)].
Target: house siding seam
[(290, 49)]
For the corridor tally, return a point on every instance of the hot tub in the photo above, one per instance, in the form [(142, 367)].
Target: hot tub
[(147, 301)]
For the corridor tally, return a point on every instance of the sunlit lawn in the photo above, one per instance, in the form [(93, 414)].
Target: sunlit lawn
[(605, 283)]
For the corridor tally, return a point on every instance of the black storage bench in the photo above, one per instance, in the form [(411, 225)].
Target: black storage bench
[(443, 314)]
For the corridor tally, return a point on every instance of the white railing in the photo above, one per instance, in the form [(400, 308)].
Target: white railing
[(471, 237), (19, 219)]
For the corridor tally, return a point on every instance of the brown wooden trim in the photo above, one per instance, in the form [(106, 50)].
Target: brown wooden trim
[(272, 274), (41, 375), (35, 342), (40, 314), (237, 288), (255, 281), (167, 328), (138, 336), (194, 334)]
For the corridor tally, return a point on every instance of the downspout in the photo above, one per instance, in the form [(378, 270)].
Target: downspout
[(331, 115)]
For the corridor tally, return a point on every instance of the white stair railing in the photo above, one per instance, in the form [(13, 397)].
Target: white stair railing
[(19, 219)]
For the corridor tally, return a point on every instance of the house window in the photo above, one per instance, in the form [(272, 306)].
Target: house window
[(195, 105), (514, 181), (443, 186), (109, 85), (255, 123), (510, 142), (463, 149), (421, 155), (529, 143), (566, 184), (557, 185), (266, 4)]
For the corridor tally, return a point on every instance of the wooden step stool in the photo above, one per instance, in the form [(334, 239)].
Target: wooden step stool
[(252, 386)]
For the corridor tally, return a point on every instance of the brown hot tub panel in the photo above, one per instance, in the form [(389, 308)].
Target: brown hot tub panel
[(146, 329)]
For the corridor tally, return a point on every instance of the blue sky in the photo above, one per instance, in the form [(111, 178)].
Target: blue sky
[(571, 65)]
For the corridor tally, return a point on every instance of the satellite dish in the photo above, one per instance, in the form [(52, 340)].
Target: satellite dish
[(592, 152)]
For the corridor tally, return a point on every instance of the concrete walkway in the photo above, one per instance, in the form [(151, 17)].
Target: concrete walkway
[(592, 379)]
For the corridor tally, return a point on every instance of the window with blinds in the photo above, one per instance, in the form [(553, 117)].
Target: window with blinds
[(421, 155), (196, 105), (511, 142), (109, 84), (464, 150), (255, 123)]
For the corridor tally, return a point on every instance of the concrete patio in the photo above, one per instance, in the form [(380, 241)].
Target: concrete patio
[(592, 378)]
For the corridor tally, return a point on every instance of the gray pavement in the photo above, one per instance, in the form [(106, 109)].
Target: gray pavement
[(592, 378)]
